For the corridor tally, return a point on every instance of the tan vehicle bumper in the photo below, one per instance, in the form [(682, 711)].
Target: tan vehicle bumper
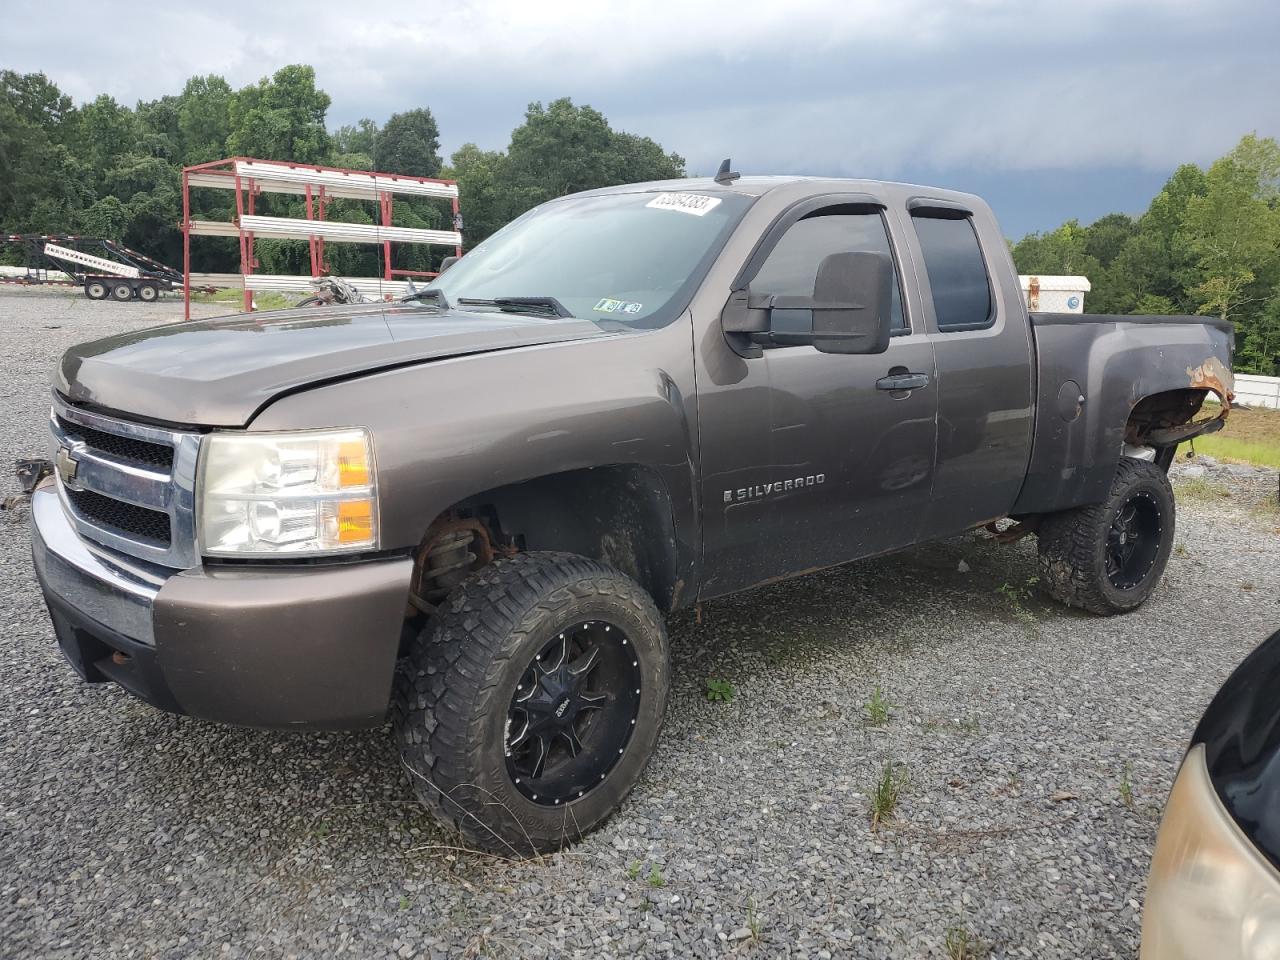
[(1211, 894)]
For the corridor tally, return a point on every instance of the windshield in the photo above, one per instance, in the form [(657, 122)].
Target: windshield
[(631, 257)]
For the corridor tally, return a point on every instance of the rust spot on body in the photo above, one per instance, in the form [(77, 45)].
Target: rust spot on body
[(1214, 375)]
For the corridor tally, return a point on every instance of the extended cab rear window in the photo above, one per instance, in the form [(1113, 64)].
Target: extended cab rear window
[(956, 270)]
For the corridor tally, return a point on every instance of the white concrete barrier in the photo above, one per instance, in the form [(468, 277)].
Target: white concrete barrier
[(1255, 391)]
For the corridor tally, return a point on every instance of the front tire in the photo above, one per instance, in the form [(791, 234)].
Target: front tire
[(1107, 558), (529, 707)]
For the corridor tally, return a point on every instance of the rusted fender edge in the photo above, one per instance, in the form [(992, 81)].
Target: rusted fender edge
[(1212, 375)]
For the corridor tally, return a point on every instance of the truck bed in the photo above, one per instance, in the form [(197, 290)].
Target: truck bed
[(1113, 361)]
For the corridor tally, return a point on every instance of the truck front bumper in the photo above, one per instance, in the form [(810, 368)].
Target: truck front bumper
[(297, 647)]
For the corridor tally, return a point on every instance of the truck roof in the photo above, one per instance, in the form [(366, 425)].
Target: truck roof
[(756, 186)]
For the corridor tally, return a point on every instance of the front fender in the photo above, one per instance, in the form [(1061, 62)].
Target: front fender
[(446, 430)]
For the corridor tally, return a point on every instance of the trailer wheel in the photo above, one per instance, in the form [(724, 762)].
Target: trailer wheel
[(95, 290), (147, 292), (1107, 558), (122, 291), (528, 708)]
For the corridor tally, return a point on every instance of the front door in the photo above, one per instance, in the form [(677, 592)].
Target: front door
[(813, 459)]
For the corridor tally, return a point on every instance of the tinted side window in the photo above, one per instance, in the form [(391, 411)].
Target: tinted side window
[(792, 266), (957, 273)]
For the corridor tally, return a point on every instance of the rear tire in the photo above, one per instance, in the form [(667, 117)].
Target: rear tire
[(148, 293), (1107, 558), (529, 707), (122, 292), (96, 290)]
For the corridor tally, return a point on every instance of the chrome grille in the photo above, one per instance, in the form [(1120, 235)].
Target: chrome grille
[(123, 518), (126, 448), (128, 486)]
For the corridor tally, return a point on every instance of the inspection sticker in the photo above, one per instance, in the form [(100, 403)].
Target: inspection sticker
[(609, 305), (692, 203)]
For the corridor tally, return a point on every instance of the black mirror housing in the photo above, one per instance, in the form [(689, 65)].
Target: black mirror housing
[(447, 262), (850, 309), (852, 303)]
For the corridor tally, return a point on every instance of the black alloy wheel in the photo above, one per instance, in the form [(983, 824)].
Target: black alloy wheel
[(1108, 557), (1133, 541), (572, 713), (529, 704)]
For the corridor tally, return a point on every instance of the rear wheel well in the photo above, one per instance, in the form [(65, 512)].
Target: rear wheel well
[(620, 515), (1164, 420)]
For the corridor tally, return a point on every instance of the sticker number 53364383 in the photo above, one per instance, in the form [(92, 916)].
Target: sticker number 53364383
[(691, 203)]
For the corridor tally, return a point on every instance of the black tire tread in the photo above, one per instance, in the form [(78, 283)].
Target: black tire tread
[(441, 698), (1069, 568)]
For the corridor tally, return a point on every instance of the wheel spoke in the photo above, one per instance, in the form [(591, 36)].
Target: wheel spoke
[(592, 701), (555, 656), (571, 737), (582, 665), (541, 761)]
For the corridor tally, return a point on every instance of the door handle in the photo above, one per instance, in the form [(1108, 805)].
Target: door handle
[(903, 381)]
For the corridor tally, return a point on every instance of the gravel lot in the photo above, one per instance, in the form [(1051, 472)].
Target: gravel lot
[(1020, 729)]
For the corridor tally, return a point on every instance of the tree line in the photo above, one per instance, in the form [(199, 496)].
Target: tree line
[(1209, 242), (106, 169)]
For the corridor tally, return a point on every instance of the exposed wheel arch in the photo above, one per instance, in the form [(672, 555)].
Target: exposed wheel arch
[(620, 515), (1168, 418)]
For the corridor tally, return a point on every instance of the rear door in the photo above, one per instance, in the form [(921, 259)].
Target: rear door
[(982, 347)]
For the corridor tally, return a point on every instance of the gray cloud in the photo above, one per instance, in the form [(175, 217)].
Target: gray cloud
[(823, 86)]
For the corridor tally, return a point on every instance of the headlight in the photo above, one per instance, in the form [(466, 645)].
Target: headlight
[(273, 494), (1211, 892)]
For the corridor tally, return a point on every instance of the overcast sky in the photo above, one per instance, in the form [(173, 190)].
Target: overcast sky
[(1049, 109)]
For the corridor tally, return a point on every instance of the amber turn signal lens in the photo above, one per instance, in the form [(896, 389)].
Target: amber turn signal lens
[(353, 464), (355, 521)]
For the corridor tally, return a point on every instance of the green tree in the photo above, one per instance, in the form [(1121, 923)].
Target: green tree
[(43, 186), (108, 131), (356, 138), (484, 191), (1234, 227), (408, 143), (561, 149), (1063, 252), (281, 117), (204, 119)]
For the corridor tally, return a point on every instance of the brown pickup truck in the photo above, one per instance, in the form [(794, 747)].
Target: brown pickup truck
[(472, 509)]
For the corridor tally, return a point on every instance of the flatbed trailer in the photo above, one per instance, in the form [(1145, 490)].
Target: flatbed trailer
[(71, 260)]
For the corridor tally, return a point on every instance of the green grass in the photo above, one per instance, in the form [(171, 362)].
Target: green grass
[(960, 944), (1202, 489), (266, 300), (884, 795), (1258, 452), (877, 708), (719, 691)]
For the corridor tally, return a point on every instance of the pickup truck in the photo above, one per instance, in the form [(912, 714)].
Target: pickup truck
[(471, 511)]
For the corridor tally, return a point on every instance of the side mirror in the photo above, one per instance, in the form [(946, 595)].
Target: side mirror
[(852, 303), (849, 312), (446, 263)]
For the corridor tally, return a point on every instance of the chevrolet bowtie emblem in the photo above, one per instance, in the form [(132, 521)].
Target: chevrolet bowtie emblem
[(66, 465)]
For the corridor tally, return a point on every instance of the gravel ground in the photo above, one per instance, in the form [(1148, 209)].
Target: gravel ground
[(1036, 747)]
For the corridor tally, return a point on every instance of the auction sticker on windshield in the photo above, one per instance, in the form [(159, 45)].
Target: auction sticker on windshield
[(609, 305), (691, 203)]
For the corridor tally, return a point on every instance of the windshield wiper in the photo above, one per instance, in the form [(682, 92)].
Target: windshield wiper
[(547, 305), (419, 295)]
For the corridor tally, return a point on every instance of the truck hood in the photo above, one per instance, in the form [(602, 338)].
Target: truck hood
[(221, 372)]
